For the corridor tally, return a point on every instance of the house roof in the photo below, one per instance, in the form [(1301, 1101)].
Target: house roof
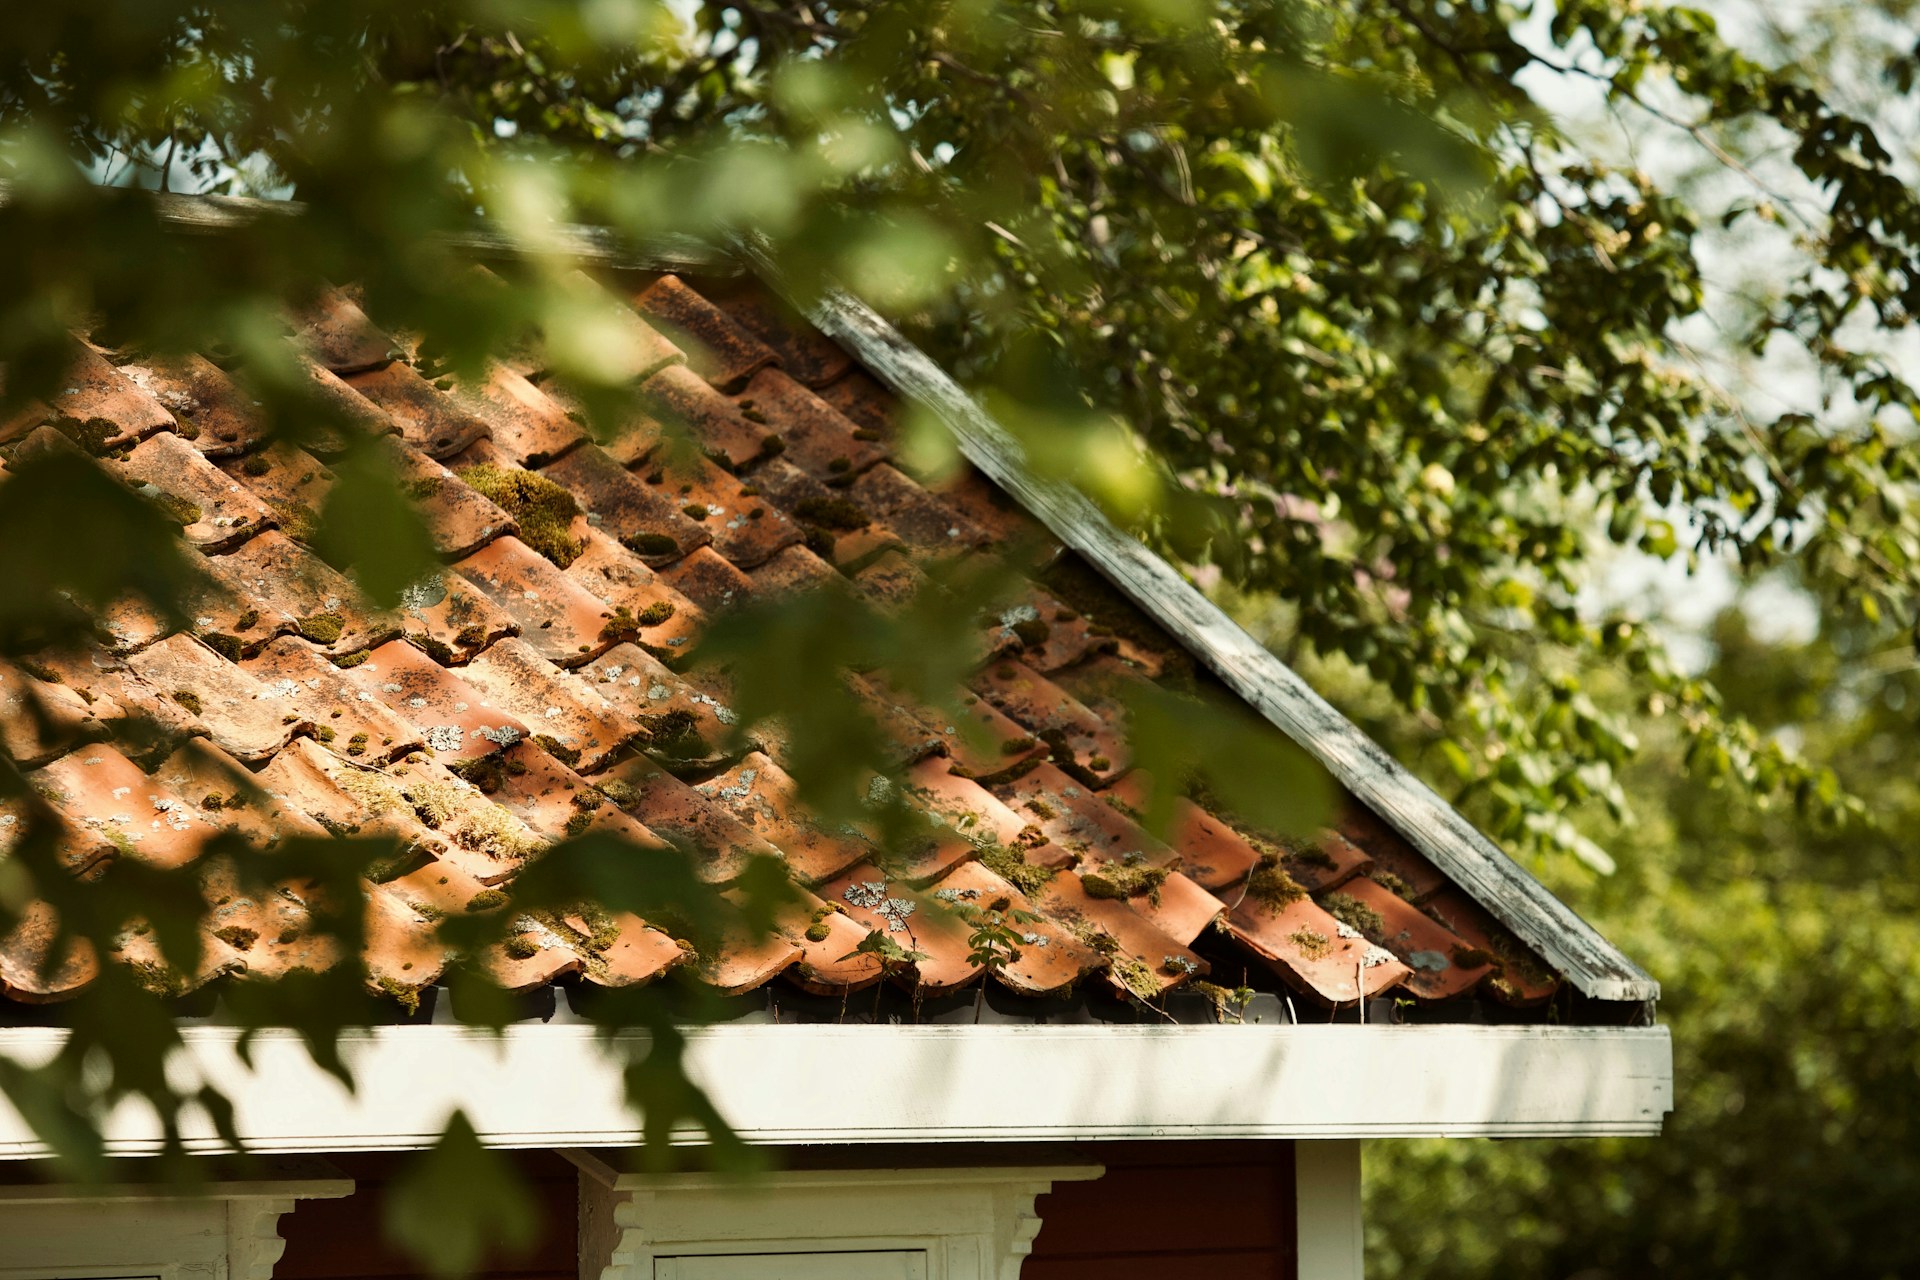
[(552, 684)]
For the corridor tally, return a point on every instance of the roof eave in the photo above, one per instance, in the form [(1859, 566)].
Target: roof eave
[(1597, 968)]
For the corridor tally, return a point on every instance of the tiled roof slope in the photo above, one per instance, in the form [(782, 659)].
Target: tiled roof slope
[(549, 686)]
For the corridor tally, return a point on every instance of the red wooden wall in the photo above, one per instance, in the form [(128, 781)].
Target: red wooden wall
[(1164, 1211)]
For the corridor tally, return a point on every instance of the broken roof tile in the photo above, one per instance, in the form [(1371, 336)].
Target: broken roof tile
[(1518, 977), (228, 796), (1081, 820), (929, 526), (1111, 927)]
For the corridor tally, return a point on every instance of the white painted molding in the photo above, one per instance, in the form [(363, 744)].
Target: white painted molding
[(229, 1231), (1331, 1242), (1572, 946), (967, 1224), (560, 1086)]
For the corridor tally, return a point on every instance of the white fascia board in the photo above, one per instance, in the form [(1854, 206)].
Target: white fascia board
[(560, 1085)]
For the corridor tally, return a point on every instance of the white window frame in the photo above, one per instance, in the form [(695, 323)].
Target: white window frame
[(972, 1223), (228, 1232)]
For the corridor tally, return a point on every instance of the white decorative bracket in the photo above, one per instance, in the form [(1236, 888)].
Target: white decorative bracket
[(225, 1229), (966, 1223)]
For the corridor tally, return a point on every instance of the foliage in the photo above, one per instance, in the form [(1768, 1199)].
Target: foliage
[(1315, 297), (1788, 959)]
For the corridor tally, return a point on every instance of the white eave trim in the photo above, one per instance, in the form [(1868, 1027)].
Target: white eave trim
[(559, 1086), (1569, 944)]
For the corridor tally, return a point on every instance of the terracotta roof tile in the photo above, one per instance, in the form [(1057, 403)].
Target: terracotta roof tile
[(794, 569), (452, 619), (926, 524), (566, 624), (306, 681), (865, 402), (678, 399), (645, 518), (455, 720), (287, 587), (1309, 948), (216, 512), (527, 425), (675, 720), (668, 621), (120, 410), (229, 797), (1518, 977), (212, 413), (563, 712), (25, 975), (718, 347), (337, 333), (814, 435), (1211, 852), (718, 501), (350, 730), (458, 517), (431, 422), (806, 354), (290, 480), (637, 953), (98, 790), (1080, 738), (343, 402), (246, 718), (1392, 855), (1081, 820), (761, 795), (41, 719), (1423, 945), (670, 808), (709, 579)]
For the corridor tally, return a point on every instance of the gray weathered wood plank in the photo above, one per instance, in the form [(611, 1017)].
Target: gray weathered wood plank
[(1572, 946)]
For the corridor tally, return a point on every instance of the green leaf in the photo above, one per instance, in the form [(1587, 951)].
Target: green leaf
[(460, 1204)]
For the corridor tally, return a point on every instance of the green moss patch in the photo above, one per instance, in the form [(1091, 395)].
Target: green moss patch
[(1119, 880), (1355, 914), (543, 510), (322, 628)]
